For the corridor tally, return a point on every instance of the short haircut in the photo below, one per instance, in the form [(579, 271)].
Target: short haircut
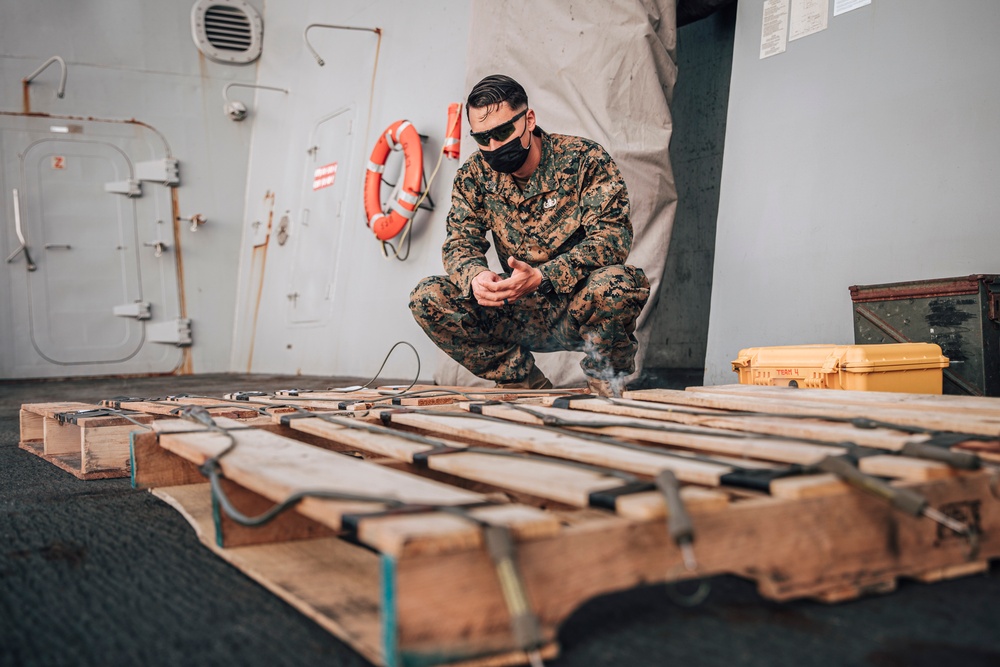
[(493, 91)]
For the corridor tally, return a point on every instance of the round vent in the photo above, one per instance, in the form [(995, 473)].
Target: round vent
[(227, 31)]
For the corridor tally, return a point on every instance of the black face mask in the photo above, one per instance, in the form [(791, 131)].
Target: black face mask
[(510, 157)]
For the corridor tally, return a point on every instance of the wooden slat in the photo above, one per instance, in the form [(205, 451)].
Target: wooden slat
[(153, 466), (793, 549), (694, 437), (169, 408), (879, 438), (303, 573), (276, 467), (704, 439), (958, 405), (548, 443), (938, 422), (550, 479)]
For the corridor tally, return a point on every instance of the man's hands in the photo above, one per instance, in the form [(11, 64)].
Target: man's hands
[(492, 291)]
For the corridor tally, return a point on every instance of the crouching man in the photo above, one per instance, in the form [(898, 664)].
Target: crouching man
[(558, 211)]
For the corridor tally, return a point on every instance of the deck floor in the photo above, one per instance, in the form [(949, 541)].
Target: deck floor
[(96, 573)]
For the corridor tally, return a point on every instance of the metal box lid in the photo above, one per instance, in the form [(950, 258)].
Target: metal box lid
[(849, 358)]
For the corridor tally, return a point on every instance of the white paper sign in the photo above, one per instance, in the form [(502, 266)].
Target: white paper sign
[(841, 6), (808, 16), (774, 28)]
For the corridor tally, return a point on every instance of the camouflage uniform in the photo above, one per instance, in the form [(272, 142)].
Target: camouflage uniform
[(572, 223)]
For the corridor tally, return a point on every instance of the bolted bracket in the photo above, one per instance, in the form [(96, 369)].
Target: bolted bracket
[(172, 332), (140, 310), (164, 171)]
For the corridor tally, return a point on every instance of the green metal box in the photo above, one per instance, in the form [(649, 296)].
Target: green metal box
[(961, 315)]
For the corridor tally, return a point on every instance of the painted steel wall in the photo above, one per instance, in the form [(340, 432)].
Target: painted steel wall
[(679, 321), (354, 305), (136, 60), (866, 153)]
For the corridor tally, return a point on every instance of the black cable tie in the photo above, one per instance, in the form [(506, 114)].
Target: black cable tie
[(420, 458), (564, 401), (350, 523), (758, 479), (247, 395), (116, 401), (285, 419), (950, 439), (477, 408), (856, 452), (606, 498), (72, 417)]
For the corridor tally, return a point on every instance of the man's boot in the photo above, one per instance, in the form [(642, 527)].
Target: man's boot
[(536, 380), (607, 388)]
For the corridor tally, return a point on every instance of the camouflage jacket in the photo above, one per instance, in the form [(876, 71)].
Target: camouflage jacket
[(571, 218)]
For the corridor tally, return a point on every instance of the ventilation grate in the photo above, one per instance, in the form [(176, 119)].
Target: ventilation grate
[(228, 28), (227, 31)]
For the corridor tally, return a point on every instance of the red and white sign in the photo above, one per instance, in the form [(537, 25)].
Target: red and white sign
[(58, 162), (324, 176)]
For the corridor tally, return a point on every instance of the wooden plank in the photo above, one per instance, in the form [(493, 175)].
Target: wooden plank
[(551, 479), (811, 429), (105, 441), (959, 405), (937, 422), (303, 573), (548, 443), (277, 467), (340, 586), (285, 527), (61, 438), (32, 426), (168, 408), (152, 466), (699, 438), (953, 571), (808, 548), (35, 425)]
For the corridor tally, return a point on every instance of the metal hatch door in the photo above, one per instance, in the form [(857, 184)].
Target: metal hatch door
[(85, 250), (328, 180), (89, 224)]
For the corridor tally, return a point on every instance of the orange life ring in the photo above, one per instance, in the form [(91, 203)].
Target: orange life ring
[(399, 135)]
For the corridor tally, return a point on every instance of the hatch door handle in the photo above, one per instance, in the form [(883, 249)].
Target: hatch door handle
[(20, 235)]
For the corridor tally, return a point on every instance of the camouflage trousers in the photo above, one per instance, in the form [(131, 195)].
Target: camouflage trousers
[(598, 317)]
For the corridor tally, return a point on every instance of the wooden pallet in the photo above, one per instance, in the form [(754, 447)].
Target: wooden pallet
[(92, 441), (77, 438), (569, 478), (89, 447)]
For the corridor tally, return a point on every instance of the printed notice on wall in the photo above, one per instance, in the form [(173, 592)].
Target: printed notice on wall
[(808, 16), (774, 29), (841, 6)]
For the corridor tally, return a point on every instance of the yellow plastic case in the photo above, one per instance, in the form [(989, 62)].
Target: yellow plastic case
[(904, 367)]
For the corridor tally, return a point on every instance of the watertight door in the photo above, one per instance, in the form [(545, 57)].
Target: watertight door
[(102, 278), (328, 181)]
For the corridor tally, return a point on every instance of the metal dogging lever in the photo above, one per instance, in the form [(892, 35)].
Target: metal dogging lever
[(523, 621), (679, 524), (680, 528), (905, 500)]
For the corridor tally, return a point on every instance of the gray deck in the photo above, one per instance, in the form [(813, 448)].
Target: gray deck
[(96, 573)]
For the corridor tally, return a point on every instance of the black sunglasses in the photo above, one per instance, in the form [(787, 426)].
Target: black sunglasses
[(501, 132)]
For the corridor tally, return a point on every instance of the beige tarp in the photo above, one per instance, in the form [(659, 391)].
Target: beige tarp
[(601, 69)]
